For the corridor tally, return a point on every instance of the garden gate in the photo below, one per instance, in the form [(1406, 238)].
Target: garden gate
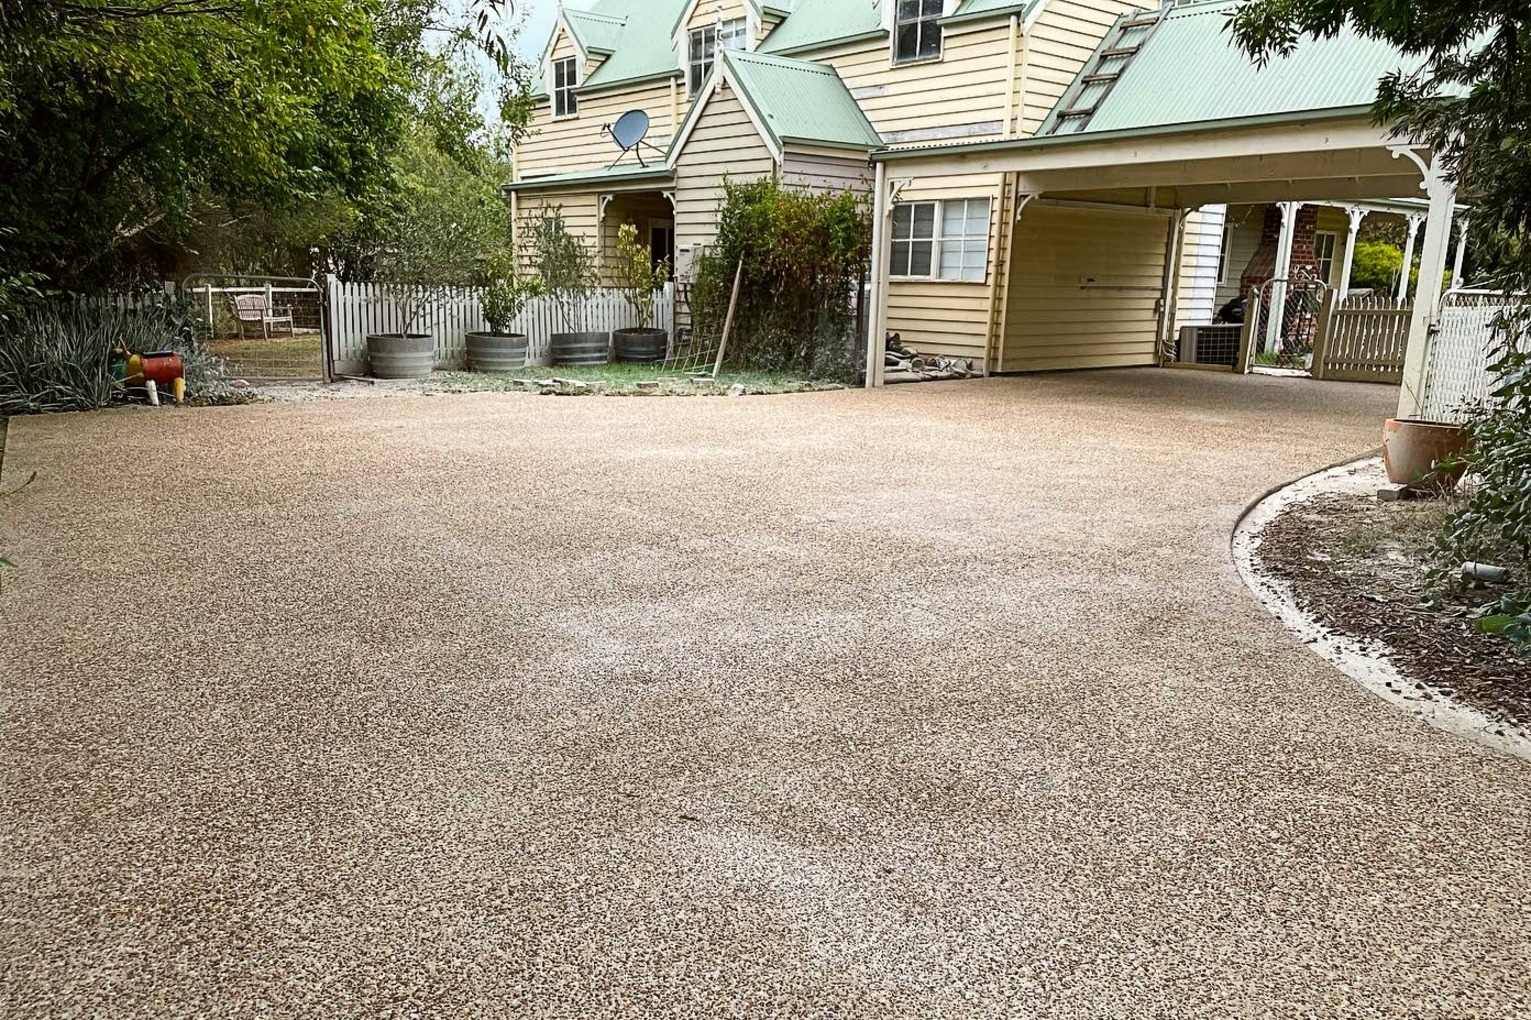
[(265, 328), (1281, 322)]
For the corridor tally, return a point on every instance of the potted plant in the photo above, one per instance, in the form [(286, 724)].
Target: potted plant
[(639, 278), (441, 223), (500, 350), (1424, 454), (567, 270)]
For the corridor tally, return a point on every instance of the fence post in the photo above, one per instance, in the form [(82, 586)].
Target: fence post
[(1322, 338)]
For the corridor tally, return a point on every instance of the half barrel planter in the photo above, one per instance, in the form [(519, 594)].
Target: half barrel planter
[(640, 346), (580, 348), (496, 352), (401, 355), (1412, 449)]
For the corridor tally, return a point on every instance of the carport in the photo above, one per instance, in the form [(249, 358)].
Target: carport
[(1097, 201)]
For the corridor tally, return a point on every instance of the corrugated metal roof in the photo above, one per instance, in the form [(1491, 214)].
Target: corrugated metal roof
[(604, 175), (645, 47), (598, 32), (815, 22), (801, 101), (1190, 71)]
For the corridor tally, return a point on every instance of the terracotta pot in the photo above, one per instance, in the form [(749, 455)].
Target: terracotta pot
[(1412, 447)]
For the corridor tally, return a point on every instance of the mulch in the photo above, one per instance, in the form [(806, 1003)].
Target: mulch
[(1380, 592)]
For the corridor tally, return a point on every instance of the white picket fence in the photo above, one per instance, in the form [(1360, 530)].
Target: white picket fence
[(357, 309)]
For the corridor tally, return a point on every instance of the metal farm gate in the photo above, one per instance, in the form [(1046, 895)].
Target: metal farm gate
[(265, 328)]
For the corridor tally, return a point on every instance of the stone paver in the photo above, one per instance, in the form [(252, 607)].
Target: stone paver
[(939, 702)]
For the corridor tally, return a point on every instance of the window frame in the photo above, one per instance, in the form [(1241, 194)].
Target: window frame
[(1334, 250), (939, 240), (565, 101), (924, 22), (699, 68)]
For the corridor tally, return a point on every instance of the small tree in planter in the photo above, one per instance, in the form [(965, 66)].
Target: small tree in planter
[(444, 218), (567, 268), (500, 350), (639, 278)]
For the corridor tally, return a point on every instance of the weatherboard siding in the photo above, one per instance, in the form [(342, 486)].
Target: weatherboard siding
[(947, 317), (577, 143), (822, 171), (1196, 297), (581, 213), (724, 144), (1084, 289), (960, 96)]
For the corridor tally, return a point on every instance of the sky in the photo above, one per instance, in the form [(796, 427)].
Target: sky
[(539, 25)]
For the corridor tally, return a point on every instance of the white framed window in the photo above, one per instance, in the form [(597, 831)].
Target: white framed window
[(947, 240), (1325, 243), (702, 49), (917, 30), (565, 78)]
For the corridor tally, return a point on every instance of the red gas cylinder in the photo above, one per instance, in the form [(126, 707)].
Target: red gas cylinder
[(163, 367)]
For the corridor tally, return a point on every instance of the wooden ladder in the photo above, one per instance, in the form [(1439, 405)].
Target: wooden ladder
[(1105, 69)]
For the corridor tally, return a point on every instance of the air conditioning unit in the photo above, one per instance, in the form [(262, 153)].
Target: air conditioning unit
[(1213, 344)]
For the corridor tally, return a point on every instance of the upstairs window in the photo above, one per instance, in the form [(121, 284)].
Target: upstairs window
[(565, 77), (703, 49), (917, 30)]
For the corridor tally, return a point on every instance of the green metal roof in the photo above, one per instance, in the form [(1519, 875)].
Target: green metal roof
[(801, 101), (598, 33), (624, 173), (817, 22), (1190, 71)]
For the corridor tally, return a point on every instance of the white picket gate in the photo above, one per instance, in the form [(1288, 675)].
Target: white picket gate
[(1461, 351), (357, 309)]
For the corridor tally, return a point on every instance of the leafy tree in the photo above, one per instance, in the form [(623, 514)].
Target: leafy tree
[(1469, 99), (127, 124), (639, 277), (565, 265), (440, 228)]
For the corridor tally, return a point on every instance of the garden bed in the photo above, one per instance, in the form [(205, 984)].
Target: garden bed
[(1359, 567)]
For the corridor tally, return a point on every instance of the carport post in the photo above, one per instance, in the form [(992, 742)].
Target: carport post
[(877, 322), (1432, 265)]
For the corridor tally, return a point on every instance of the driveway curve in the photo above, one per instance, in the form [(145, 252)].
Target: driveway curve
[(945, 701)]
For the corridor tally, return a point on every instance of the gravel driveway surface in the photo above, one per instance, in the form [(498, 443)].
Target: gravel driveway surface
[(944, 701)]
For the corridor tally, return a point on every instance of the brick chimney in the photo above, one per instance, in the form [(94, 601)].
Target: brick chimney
[(1262, 265)]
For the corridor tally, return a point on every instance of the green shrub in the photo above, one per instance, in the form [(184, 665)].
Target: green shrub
[(1494, 523), (55, 355), (565, 265), (805, 257), (639, 277), (1376, 265), (507, 292)]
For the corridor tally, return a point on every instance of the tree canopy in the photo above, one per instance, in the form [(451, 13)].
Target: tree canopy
[(1469, 99), (126, 119)]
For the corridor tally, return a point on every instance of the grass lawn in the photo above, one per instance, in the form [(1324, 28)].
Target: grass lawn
[(299, 355), (625, 380)]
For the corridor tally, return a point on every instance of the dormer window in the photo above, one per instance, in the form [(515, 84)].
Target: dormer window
[(703, 49), (565, 78), (917, 30)]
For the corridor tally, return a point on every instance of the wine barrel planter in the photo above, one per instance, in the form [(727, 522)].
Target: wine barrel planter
[(1412, 447), (581, 348), (401, 356), (496, 352), (641, 345)]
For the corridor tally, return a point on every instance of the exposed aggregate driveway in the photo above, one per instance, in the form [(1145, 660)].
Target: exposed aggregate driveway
[(944, 701)]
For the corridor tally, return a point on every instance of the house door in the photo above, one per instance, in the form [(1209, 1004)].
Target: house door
[(662, 242)]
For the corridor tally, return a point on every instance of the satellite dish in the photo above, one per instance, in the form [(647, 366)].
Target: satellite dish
[(630, 129), (629, 133)]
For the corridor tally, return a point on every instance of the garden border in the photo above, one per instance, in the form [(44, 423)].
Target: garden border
[(1365, 662)]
